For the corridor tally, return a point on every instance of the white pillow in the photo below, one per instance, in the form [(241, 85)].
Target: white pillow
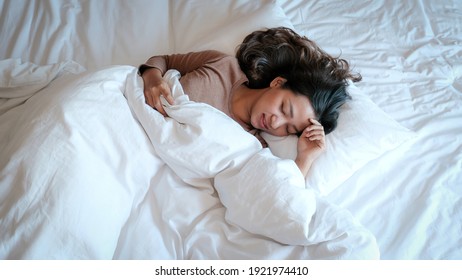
[(364, 133), (221, 25)]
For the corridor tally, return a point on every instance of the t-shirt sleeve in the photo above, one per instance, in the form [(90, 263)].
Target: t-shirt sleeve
[(184, 63)]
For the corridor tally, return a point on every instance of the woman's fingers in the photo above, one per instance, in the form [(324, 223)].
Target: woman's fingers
[(164, 90), (168, 96), (316, 122), (314, 132), (153, 98), (160, 107), (316, 137), (314, 126)]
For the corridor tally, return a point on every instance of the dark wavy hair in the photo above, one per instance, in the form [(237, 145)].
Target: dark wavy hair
[(269, 53)]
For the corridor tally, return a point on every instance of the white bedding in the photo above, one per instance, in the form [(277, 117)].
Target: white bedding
[(410, 56), (79, 178), (56, 175)]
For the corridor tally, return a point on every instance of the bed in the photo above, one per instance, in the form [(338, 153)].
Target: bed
[(85, 175)]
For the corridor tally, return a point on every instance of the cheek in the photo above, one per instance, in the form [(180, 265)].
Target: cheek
[(257, 109), (267, 105)]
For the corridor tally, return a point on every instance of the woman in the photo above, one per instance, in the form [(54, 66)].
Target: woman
[(266, 54), (280, 105)]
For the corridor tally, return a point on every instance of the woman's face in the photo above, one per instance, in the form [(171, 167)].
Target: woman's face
[(281, 112)]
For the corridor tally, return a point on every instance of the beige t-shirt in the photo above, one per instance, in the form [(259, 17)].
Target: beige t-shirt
[(208, 76)]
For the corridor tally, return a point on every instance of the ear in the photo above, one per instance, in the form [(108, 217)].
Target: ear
[(278, 82)]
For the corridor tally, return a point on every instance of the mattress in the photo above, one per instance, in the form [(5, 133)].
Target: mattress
[(84, 177)]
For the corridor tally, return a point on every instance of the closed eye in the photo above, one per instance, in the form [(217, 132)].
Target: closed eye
[(291, 109), (287, 109), (282, 109)]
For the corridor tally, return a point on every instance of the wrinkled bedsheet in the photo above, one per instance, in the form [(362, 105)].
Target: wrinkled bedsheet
[(408, 52), (84, 159)]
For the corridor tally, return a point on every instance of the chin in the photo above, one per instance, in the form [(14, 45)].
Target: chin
[(252, 124)]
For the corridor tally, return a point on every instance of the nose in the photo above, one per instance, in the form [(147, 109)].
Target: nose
[(277, 121)]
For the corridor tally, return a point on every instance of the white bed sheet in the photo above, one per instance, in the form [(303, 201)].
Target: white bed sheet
[(410, 56)]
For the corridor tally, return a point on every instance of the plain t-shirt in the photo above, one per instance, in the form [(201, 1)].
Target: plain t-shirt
[(208, 76)]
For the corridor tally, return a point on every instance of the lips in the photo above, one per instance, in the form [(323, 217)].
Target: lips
[(263, 122)]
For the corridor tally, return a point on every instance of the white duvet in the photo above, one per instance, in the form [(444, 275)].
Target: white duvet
[(89, 171)]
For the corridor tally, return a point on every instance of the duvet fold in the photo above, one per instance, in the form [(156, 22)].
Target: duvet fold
[(89, 171)]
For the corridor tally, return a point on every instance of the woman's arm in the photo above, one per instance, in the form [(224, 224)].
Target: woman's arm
[(156, 66), (184, 63)]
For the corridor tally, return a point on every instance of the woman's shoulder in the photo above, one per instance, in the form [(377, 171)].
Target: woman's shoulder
[(210, 53), (220, 60)]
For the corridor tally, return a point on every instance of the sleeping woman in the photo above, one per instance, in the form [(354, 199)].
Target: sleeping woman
[(279, 83)]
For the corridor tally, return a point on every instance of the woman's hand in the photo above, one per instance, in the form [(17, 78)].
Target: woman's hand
[(311, 144), (155, 87)]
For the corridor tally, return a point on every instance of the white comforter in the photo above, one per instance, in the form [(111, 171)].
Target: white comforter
[(88, 170)]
